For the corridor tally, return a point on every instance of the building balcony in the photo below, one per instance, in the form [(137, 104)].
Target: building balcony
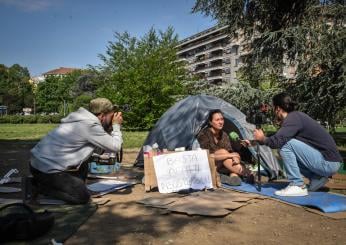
[(208, 68), (215, 77), (206, 61), (201, 35), (203, 43)]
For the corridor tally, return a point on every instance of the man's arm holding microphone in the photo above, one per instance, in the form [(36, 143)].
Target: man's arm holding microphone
[(258, 136)]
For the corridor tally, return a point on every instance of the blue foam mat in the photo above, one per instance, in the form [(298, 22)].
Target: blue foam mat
[(326, 202)]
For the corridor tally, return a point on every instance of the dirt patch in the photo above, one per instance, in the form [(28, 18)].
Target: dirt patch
[(123, 221)]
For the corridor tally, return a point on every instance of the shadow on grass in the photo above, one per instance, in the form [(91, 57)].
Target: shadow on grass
[(15, 154)]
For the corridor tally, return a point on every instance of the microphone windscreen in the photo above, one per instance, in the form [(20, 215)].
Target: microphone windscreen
[(233, 136)]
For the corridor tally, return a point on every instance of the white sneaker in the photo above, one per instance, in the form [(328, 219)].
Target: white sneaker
[(292, 191)]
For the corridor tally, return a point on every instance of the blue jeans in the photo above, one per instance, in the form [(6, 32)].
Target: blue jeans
[(301, 159)]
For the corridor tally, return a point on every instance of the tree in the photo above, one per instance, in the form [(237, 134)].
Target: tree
[(15, 89), (143, 73), (308, 35), (55, 92)]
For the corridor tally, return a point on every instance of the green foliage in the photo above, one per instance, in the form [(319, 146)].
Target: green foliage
[(320, 84), (243, 95), (43, 119), (308, 35), (142, 73), (15, 89), (85, 84), (81, 101), (30, 119), (17, 119), (52, 93)]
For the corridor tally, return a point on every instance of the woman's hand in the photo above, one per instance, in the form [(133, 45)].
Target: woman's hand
[(235, 157)]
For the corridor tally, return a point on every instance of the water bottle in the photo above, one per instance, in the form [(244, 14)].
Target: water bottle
[(115, 165), (156, 150), (195, 145)]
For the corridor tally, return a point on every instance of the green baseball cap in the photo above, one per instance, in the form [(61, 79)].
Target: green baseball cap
[(101, 105)]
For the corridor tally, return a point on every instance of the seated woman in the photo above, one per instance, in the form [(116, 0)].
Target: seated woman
[(214, 139)]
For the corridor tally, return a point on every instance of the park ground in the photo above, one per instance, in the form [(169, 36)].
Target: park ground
[(123, 221)]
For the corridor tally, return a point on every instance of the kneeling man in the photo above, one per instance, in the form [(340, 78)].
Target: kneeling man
[(59, 161)]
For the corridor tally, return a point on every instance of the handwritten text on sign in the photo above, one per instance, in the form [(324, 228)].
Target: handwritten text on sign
[(182, 170)]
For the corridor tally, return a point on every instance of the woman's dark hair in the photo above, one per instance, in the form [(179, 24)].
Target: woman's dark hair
[(212, 112), (284, 101)]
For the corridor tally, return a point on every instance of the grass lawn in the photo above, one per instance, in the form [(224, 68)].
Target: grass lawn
[(25, 132), (34, 132)]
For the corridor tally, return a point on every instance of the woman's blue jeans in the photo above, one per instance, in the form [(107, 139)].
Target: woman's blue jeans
[(301, 159)]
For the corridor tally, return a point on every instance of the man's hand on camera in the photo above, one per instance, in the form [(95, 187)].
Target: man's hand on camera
[(259, 135), (117, 118)]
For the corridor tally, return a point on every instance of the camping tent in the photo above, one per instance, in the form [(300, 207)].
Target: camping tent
[(180, 124)]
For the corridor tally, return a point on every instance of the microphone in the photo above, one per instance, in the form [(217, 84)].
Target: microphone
[(233, 136)]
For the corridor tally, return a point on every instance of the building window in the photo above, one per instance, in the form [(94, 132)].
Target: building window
[(235, 49), (237, 62), (227, 61)]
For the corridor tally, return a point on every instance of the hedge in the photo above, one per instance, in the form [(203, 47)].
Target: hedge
[(17, 119)]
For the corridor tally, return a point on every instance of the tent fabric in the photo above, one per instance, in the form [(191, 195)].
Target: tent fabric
[(180, 124)]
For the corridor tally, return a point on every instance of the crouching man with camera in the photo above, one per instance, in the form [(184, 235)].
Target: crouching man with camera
[(305, 146), (59, 161)]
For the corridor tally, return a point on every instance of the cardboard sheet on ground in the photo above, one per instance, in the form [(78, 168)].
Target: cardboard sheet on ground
[(182, 170), (210, 203), (106, 186), (326, 202)]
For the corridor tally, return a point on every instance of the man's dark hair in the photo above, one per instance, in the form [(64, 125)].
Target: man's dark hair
[(212, 112), (284, 101)]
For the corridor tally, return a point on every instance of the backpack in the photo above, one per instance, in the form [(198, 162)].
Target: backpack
[(19, 222)]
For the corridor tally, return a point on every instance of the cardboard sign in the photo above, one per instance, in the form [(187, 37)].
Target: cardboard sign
[(183, 170)]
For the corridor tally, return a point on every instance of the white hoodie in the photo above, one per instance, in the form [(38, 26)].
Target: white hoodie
[(73, 142)]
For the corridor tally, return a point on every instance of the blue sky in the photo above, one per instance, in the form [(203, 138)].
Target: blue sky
[(46, 34)]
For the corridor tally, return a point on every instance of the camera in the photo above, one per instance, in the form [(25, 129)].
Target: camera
[(258, 115), (123, 108)]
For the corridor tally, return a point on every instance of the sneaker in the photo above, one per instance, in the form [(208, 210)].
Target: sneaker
[(230, 180), (317, 183), (292, 191)]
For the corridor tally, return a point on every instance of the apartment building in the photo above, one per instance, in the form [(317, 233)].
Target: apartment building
[(211, 55)]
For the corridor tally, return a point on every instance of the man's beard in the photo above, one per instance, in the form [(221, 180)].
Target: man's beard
[(107, 126)]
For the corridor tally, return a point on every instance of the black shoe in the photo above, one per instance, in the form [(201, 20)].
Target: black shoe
[(230, 180)]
